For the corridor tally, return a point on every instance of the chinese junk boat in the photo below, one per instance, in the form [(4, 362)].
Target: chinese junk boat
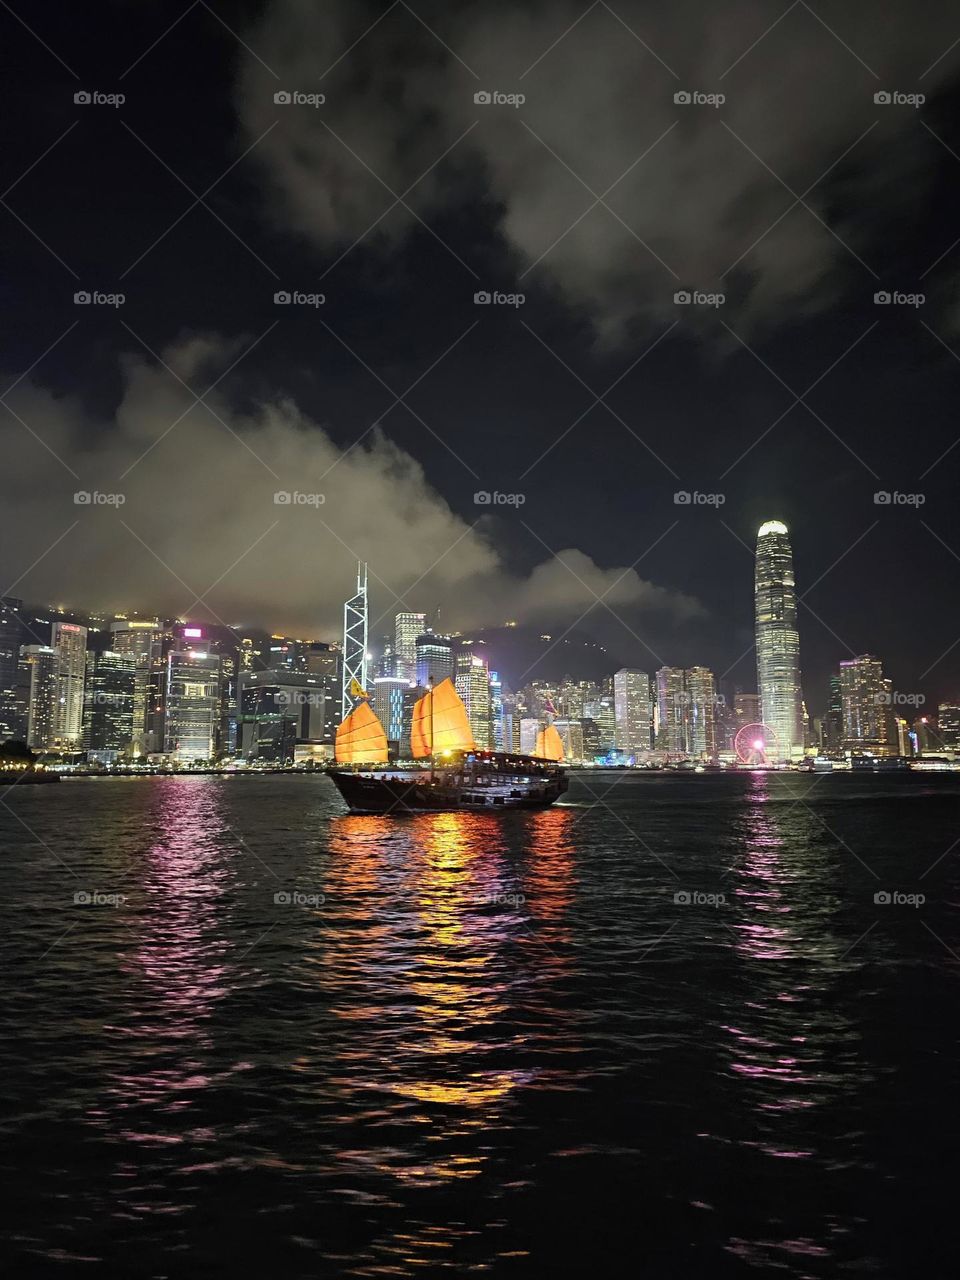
[(448, 771)]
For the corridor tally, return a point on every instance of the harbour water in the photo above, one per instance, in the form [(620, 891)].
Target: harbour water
[(666, 1028)]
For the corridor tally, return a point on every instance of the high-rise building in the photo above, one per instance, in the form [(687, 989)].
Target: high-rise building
[(70, 642), (867, 711), (354, 644), (746, 709), (510, 721), (701, 705), (408, 627), (601, 711), (925, 736), (279, 709), (42, 662), (778, 642), (671, 711), (571, 735), (633, 711), (498, 735), (572, 695), (388, 662), (472, 682), (948, 724), (11, 627), (529, 727), (227, 743), (109, 703), (388, 704), (192, 698), (139, 638), (435, 659), (831, 738)]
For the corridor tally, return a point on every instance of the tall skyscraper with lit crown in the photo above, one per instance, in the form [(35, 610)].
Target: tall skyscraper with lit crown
[(778, 642)]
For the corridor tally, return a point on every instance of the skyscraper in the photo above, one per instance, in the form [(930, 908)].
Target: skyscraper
[(388, 705), (192, 698), (498, 733), (354, 643), (43, 698), (435, 659), (70, 642), (601, 711), (948, 722), (701, 712), (408, 627), (139, 638), (473, 685), (280, 710), (671, 707), (109, 700), (866, 699), (10, 636), (633, 711), (778, 643)]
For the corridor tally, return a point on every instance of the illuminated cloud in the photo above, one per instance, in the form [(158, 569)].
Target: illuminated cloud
[(259, 514)]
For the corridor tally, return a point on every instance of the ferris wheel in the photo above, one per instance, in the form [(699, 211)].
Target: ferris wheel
[(757, 744)]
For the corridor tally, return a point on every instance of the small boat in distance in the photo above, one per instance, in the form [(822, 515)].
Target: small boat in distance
[(448, 770)]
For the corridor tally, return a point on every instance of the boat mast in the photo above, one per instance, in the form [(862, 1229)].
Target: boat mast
[(430, 687)]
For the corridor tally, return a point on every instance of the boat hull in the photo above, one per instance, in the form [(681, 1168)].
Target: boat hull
[(487, 789)]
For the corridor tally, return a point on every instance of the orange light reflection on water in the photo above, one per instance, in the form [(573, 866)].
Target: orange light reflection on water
[(443, 922)]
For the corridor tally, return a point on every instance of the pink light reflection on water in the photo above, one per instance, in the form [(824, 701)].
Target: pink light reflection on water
[(178, 963)]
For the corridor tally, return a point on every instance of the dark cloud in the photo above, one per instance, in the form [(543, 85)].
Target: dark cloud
[(799, 110)]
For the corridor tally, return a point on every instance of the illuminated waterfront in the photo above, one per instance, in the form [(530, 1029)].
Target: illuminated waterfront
[(668, 1027)]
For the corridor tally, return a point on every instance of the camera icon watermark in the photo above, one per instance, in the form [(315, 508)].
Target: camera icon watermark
[(686, 498), (486, 298), (895, 98), (499, 898), (886, 298), (494, 98), (300, 698), (294, 498), (294, 898), (696, 898), (894, 498), (695, 98), (94, 898), (294, 298), (698, 298), (484, 498), (94, 98), (896, 698), (94, 498), (295, 98), (894, 898), (94, 298)]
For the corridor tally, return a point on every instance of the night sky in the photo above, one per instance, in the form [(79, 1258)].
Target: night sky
[(598, 198)]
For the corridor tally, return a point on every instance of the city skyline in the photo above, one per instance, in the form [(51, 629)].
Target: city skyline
[(775, 648), (184, 694)]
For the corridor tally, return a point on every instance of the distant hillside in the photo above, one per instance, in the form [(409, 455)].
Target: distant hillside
[(522, 654)]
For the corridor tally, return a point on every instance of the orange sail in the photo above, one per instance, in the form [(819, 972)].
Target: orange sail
[(360, 738), (440, 723), (549, 744)]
